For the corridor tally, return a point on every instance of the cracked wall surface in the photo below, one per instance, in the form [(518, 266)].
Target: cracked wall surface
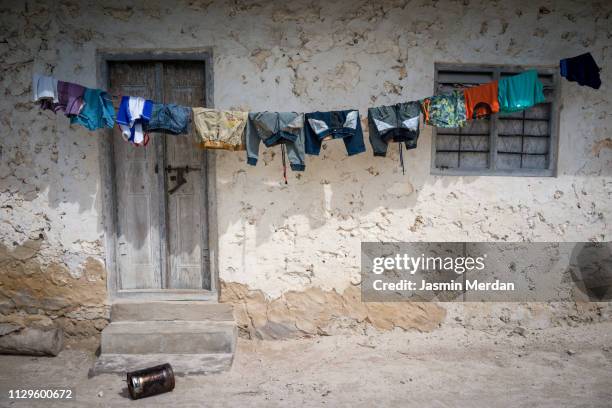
[(303, 237)]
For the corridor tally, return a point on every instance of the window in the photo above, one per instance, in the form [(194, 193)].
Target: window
[(514, 144)]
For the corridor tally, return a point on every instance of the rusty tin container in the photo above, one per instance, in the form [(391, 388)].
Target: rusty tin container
[(150, 381)]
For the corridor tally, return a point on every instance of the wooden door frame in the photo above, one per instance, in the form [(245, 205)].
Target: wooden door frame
[(108, 194)]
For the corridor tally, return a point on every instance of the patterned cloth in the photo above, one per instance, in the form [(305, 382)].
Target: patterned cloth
[(446, 110), (220, 129)]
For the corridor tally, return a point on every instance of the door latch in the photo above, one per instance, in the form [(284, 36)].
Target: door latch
[(180, 176)]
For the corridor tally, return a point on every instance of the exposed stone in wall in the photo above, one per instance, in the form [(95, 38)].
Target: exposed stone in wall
[(259, 58), (345, 76), (51, 272), (33, 295), (600, 145), (318, 312), (119, 13)]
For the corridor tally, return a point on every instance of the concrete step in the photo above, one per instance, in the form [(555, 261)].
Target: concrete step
[(182, 364), (195, 337), (157, 311), (169, 337)]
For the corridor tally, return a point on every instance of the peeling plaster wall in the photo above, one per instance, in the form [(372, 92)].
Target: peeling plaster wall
[(300, 55)]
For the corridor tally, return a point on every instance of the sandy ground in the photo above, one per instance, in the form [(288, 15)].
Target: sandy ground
[(558, 367)]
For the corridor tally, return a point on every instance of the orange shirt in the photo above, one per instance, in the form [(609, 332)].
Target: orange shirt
[(481, 100)]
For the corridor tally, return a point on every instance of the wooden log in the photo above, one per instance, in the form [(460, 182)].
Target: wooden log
[(31, 341)]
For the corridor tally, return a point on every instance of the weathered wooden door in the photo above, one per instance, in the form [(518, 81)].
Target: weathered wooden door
[(162, 234)]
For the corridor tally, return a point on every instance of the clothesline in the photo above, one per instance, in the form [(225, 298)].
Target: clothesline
[(302, 134)]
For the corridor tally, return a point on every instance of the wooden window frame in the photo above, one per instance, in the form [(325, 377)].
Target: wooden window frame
[(491, 170)]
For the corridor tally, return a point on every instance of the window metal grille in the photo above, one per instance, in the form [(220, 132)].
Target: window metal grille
[(516, 144)]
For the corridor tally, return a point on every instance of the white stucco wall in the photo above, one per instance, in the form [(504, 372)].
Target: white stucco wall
[(304, 56)]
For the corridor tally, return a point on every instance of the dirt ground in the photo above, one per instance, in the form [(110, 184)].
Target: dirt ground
[(515, 367)]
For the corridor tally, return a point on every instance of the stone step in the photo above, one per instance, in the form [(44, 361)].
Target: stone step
[(182, 364), (157, 311), (169, 337)]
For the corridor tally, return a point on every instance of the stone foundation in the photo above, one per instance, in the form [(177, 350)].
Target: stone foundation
[(37, 295)]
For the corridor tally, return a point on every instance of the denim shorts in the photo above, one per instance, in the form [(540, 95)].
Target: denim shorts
[(169, 118)]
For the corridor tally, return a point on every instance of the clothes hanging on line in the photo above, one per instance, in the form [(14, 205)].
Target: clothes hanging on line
[(44, 87), (481, 101), (217, 129), (519, 92), (582, 69), (168, 118), (297, 133), (98, 111), (69, 99), (133, 112), (395, 123), (345, 125), (445, 110), (277, 128)]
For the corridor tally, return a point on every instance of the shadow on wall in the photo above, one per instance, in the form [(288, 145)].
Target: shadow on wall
[(42, 155), (364, 196)]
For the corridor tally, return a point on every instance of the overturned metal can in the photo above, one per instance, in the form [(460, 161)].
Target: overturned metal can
[(150, 381)]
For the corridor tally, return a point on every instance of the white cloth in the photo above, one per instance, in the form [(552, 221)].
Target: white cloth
[(135, 109), (138, 133), (44, 87)]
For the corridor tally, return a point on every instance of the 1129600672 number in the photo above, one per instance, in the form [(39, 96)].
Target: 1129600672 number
[(41, 394)]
